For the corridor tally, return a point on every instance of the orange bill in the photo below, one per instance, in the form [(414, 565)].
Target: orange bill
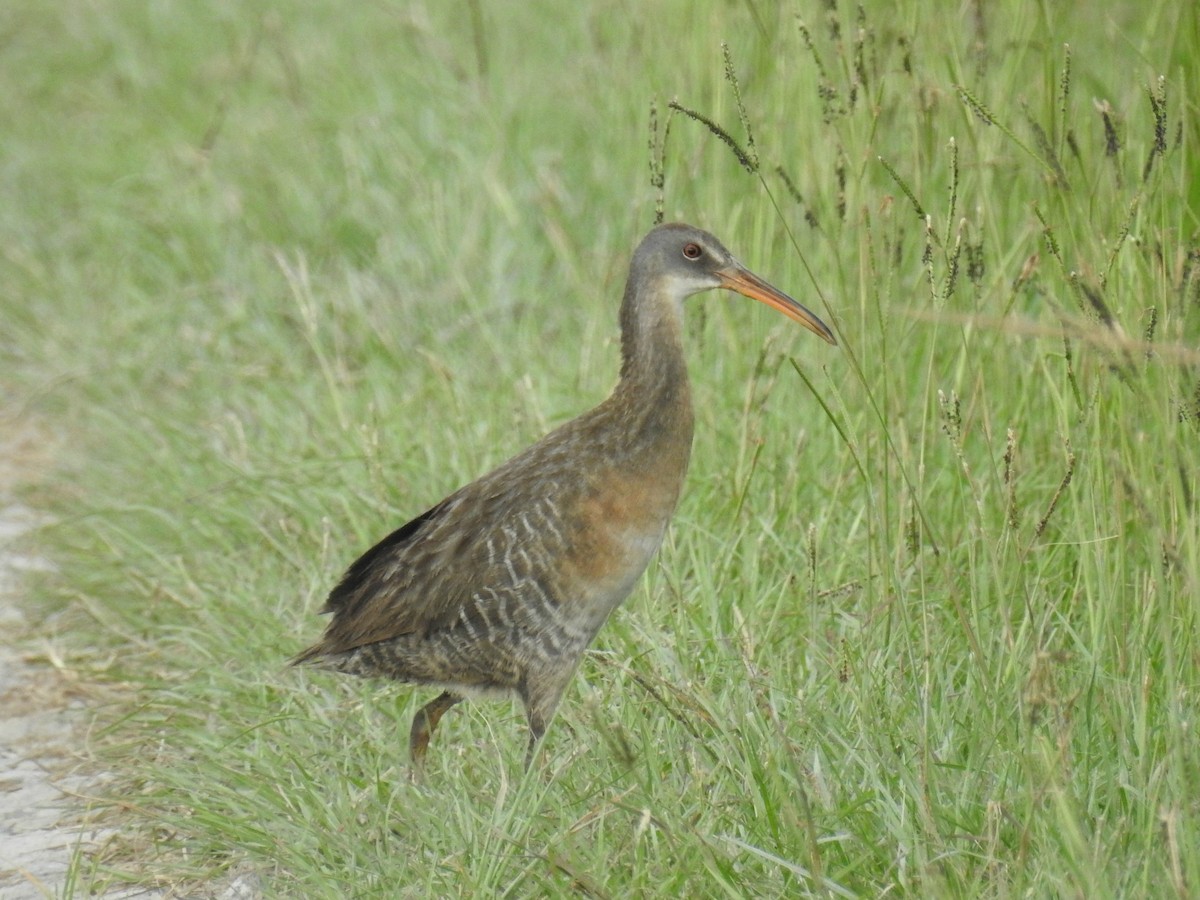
[(746, 283)]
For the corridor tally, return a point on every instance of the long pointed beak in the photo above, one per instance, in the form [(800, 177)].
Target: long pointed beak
[(746, 283)]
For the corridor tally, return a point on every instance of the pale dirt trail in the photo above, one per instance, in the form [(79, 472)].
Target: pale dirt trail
[(45, 777), (46, 774)]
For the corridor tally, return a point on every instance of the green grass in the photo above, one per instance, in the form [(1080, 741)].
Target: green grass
[(926, 621)]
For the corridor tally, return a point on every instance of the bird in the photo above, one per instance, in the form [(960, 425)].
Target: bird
[(497, 590)]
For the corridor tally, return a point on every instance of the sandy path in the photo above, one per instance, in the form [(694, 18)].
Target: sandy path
[(40, 717), (45, 776)]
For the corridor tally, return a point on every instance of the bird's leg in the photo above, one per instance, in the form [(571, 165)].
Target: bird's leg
[(424, 723), (537, 730), (541, 697)]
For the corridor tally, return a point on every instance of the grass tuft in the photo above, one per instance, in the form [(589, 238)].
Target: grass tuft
[(748, 159)]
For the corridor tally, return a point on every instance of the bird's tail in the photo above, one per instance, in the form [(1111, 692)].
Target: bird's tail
[(313, 656)]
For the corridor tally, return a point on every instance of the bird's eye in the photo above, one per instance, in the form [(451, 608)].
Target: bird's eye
[(692, 251)]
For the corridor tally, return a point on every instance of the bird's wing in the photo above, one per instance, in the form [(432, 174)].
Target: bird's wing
[(461, 559), (347, 597)]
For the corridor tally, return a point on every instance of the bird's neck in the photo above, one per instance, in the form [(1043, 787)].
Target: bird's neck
[(653, 390)]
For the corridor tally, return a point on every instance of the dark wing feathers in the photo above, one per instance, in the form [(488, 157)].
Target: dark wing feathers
[(359, 574), (421, 577)]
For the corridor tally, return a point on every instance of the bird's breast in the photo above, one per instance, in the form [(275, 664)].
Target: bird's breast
[(618, 526)]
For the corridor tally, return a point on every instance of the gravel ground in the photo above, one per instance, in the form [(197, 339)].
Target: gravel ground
[(43, 778), (46, 776)]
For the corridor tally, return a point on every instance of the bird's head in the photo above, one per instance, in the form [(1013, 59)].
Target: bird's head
[(680, 261)]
